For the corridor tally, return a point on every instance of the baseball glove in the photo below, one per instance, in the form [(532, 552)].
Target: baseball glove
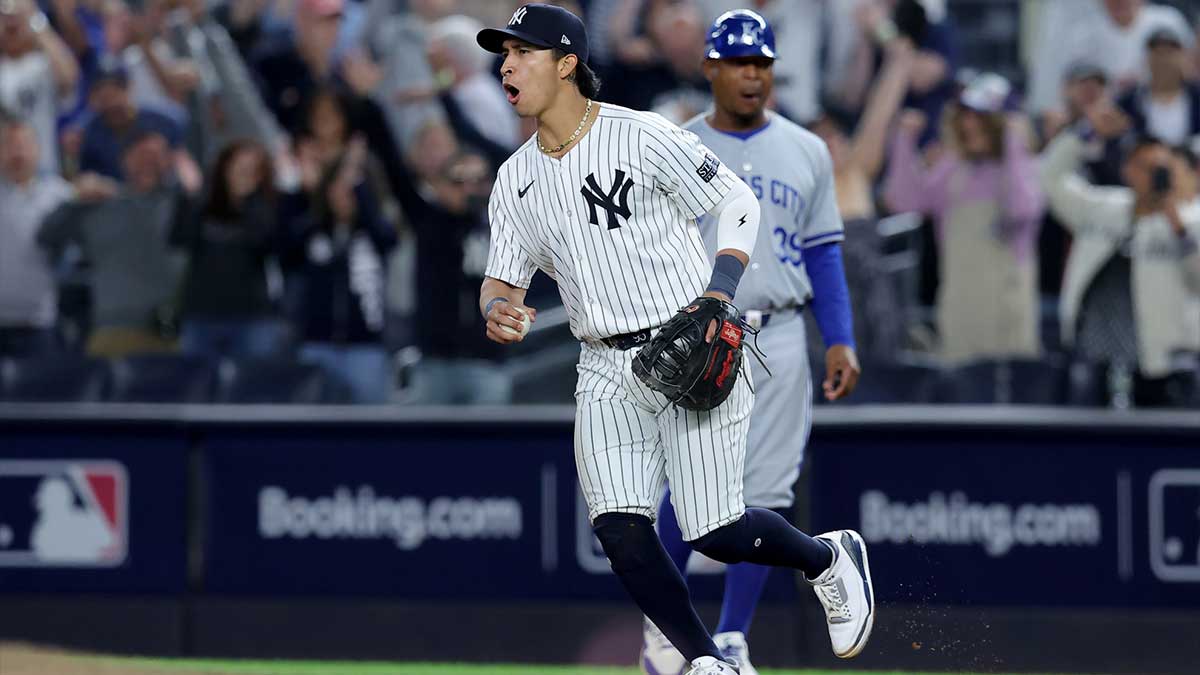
[(680, 364)]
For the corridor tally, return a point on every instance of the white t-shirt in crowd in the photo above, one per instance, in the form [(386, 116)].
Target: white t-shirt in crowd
[(481, 99), (144, 86), (1170, 121), (27, 288), (842, 37), (28, 91)]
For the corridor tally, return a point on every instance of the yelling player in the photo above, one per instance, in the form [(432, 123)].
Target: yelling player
[(604, 200)]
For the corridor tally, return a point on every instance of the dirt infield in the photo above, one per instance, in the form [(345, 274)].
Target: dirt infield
[(23, 659)]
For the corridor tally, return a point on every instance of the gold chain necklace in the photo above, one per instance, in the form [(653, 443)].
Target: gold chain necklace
[(551, 151)]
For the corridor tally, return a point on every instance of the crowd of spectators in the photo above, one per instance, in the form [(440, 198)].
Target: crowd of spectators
[(308, 179)]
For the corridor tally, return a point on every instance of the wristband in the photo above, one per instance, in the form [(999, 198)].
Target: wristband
[(727, 272), (487, 309)]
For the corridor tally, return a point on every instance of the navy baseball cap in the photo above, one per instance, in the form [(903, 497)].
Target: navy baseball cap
[(541, 25)]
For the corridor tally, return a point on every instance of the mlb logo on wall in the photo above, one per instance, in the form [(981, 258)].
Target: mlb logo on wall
[(1175, 525), (63, 513)]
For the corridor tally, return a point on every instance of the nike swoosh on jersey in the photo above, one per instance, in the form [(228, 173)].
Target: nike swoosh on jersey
[(521, 193)]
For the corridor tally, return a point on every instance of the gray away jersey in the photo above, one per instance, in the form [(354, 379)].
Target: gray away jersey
[(612, 221), (791, 173)]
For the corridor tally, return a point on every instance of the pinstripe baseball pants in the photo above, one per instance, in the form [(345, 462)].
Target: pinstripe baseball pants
[(628, 438)]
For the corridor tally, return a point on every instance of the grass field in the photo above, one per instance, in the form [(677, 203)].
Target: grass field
[(334, 668), (325, 668), (28, 660)]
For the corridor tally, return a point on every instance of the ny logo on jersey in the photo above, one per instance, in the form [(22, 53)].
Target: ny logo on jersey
[(518, 16), (615, 202)]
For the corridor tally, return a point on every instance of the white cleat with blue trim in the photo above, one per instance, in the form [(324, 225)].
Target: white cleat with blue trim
[(710, 665), (847, 593), (735, 650)]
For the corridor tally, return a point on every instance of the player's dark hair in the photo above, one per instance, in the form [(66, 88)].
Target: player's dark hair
[(585, 79)]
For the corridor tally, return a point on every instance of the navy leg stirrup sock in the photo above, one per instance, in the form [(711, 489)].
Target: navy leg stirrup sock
[(764, 537), (642, 565)]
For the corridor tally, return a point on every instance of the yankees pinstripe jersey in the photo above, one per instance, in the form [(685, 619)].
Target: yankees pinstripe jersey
[(612, 221), (791, 174)]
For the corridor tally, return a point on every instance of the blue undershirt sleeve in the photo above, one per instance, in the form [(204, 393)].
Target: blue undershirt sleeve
[(831, 296)]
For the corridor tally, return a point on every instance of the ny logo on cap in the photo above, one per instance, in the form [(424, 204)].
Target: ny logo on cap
[(518, 16)]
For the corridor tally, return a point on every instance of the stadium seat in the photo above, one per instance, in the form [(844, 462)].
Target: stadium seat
[(164, 378), (1018, 381), (274, 381), (1087, 384), (1186, 390), (899, 382), (1194, 401), (1037, 381), (59, 378), (546, 377)]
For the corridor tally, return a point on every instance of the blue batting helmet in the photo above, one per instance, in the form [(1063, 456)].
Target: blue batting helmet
[(740, 32)]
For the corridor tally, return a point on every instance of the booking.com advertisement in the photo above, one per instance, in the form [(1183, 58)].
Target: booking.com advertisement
[(470, 514), (422, 515), (85, 514), (958, 517), (981, 519)]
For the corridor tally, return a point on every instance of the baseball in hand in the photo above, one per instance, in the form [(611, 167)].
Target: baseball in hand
[(525, 323)]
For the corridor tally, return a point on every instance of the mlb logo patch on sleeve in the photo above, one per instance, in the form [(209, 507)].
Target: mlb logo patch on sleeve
[(708, 170)]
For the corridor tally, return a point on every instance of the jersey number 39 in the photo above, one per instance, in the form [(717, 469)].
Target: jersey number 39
[(788, 247)]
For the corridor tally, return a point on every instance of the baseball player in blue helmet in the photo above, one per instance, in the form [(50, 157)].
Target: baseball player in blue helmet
[(738, 33), (738, 40), (796, 267)]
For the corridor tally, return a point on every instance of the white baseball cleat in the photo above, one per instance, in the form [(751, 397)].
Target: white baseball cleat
[(659, 656), (710, 665), (847, 593), (735, 650)]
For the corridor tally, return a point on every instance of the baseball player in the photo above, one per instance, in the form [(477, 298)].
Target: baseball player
[(604, 200), (790, 172)]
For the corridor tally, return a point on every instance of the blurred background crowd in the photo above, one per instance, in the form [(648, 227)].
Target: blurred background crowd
[(285, 200)]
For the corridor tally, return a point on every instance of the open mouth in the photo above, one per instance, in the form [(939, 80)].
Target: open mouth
[(752, 97), (513, 93)]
